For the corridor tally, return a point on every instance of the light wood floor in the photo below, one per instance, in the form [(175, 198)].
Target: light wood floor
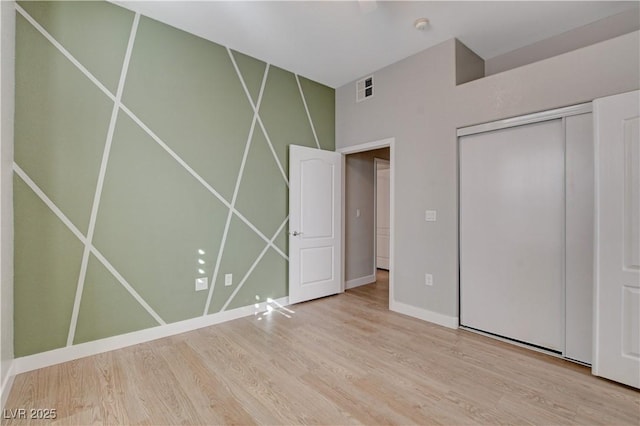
[(344, 359)]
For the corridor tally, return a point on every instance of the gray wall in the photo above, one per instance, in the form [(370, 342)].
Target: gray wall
[(418, 103), (7, 59), (474, 65), (359, 194), (603, 29)]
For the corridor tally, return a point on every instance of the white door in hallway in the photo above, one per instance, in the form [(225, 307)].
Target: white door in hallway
[(617, 292), (383, 173), (315, 223)]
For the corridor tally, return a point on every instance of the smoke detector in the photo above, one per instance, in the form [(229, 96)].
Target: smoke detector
[(421, 23)]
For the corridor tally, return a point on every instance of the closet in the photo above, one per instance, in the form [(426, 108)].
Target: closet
[(526, 230)]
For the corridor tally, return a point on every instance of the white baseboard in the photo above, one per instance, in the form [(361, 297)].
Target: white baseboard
[(7, 383), (357, 282), (69, 353), (423, 314)]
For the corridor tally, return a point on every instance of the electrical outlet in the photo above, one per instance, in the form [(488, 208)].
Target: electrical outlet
[(428, 279), (228, 279), (201, 283)]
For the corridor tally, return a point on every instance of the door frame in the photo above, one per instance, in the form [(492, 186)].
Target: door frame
[(370, 146), (376, 164)]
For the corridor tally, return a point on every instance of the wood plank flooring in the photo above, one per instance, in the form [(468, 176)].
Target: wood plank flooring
[(340, 360)]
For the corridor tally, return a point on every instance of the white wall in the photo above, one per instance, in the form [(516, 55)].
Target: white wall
[(359, 231), (7, 60), (418, 103)]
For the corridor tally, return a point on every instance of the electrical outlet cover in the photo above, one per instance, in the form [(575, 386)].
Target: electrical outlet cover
[(201, 284), (430, 215)]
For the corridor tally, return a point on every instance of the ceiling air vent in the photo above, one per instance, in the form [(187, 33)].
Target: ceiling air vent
[(364, 89)]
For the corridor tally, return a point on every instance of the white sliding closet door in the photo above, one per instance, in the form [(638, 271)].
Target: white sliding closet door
[(579, 236), (512, 233)]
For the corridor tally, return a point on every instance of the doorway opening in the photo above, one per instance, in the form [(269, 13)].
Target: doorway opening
[(368, 219)]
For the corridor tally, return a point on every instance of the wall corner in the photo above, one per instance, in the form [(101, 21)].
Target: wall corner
[(469, 66), (7, 107)]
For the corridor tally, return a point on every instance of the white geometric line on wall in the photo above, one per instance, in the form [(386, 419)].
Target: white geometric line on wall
[(260, 234), (257, 114), (273, 151), (100, 184), (247, 146), (306, 108), (126, 285), (75, 231), (258, 259), (36, 189), (173, 154), (64, 51)]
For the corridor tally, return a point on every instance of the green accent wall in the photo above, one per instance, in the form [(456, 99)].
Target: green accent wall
[(61, 122), (261, 186), (186, 90), (94, 32), (47, 263), (283, 114), (107, 309), (252, 71), (241, 239), (184, 148)]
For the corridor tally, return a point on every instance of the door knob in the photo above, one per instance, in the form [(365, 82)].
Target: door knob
[(295, 233)]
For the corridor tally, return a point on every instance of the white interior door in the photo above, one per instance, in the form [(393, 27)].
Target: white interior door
[(383, 173), (617, 292), (315, 223)]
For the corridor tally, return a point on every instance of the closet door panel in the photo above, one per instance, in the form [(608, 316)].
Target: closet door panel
[(579, 237), (511, 233)]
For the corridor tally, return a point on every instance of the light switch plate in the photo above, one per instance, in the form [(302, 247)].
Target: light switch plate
[(430, 215), (428, 279), (228, 279), (357, 212), (201, 284)]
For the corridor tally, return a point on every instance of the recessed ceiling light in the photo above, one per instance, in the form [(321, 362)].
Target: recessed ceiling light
[(421, 23)]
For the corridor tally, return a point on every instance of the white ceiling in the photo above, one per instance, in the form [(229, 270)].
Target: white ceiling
[(335, 42)]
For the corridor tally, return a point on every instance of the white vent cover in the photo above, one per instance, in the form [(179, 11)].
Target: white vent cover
[(364, 89)]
